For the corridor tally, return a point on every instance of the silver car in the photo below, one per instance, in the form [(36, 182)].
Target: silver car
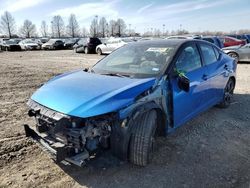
[(111, 45), (240, 53)]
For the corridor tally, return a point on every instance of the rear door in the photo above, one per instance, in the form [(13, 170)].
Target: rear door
[(188, 104), (215, 75)]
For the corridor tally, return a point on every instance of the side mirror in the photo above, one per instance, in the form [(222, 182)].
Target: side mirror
[(183, 83)]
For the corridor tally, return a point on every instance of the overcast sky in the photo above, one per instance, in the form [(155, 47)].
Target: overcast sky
[(193, 15)]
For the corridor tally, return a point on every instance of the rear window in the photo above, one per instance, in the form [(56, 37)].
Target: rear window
[(94, 40)]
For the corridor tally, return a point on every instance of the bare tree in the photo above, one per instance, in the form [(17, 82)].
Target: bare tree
[(157, 32), (84, 32), (112, 25), (44, 29), (120, 27), (28, 29), (73, 26), (103, 26), (94, 27), (7, 24), (57, 26)]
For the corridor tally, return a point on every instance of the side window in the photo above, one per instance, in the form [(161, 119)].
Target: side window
[(217, 53), (208, 54), (189, 59)]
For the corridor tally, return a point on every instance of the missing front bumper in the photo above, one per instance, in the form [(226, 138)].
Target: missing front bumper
[(57, 150)]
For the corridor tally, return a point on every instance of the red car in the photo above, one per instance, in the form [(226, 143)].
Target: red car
[(230, 41)]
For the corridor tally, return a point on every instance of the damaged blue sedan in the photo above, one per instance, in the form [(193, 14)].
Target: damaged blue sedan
[(140, 91)]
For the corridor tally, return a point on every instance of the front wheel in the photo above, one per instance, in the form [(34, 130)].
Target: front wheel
[(143, 139), (99, 51), (86, 50), (228, 94)]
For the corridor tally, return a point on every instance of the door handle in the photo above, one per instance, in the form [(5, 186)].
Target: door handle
[(204, 77), (226, 67)]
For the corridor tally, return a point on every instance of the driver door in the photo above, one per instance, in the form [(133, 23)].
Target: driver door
[(188, 104)]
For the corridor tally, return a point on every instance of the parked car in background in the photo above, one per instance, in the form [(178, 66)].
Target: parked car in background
[(44, 40), (240, 53), (230, 41), (140, 91), (111, 45), (213, 39), (69, 43), (28, 44), (244, 37), (87, 45), (78, 47), (53, 44), (2, 41), (10, 45)]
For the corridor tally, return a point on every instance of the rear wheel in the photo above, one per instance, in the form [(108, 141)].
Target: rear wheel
[(234, 55), (143, 139), (228, 94), (86, 50), (99, 51)]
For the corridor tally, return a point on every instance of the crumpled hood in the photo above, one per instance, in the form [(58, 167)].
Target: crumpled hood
[(84, 94)]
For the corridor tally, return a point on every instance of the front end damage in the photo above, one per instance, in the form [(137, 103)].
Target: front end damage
[(68, 138)]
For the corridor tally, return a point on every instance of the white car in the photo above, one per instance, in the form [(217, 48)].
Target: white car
[(111, 45), (28, 44)]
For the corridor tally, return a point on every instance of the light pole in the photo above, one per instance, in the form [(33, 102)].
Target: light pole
[(163, 30), (129, 30), (96, 26)]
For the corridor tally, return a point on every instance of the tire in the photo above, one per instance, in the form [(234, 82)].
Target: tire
[(234, 55), (86, 50), (228, 94), (142, 140), (99, 51)]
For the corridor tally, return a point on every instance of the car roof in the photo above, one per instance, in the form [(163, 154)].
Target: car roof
[(171, 42)]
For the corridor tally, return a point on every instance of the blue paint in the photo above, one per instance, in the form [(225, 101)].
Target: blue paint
[(84, 94)]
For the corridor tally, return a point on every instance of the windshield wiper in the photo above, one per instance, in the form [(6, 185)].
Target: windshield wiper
[(116, 74)]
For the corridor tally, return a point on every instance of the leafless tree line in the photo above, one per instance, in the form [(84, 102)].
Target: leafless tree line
[(103, 28), (98, 28)]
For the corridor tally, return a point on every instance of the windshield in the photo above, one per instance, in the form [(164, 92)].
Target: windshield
[(28, 41), (136, 60), (51, 41), (10, 42)]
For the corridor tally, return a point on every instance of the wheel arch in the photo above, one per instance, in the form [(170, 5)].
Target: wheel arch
[(233, 78), (232, 51), (161, 116), (121, 137)]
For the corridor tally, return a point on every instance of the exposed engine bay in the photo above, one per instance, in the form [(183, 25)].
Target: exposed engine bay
[(69, 138)]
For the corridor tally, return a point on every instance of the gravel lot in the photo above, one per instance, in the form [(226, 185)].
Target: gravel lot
[(212, 150)]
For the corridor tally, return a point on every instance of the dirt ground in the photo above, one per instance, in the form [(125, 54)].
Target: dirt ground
[(212, 150)]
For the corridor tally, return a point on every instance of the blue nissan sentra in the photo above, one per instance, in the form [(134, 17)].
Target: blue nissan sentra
[(140, 91)]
